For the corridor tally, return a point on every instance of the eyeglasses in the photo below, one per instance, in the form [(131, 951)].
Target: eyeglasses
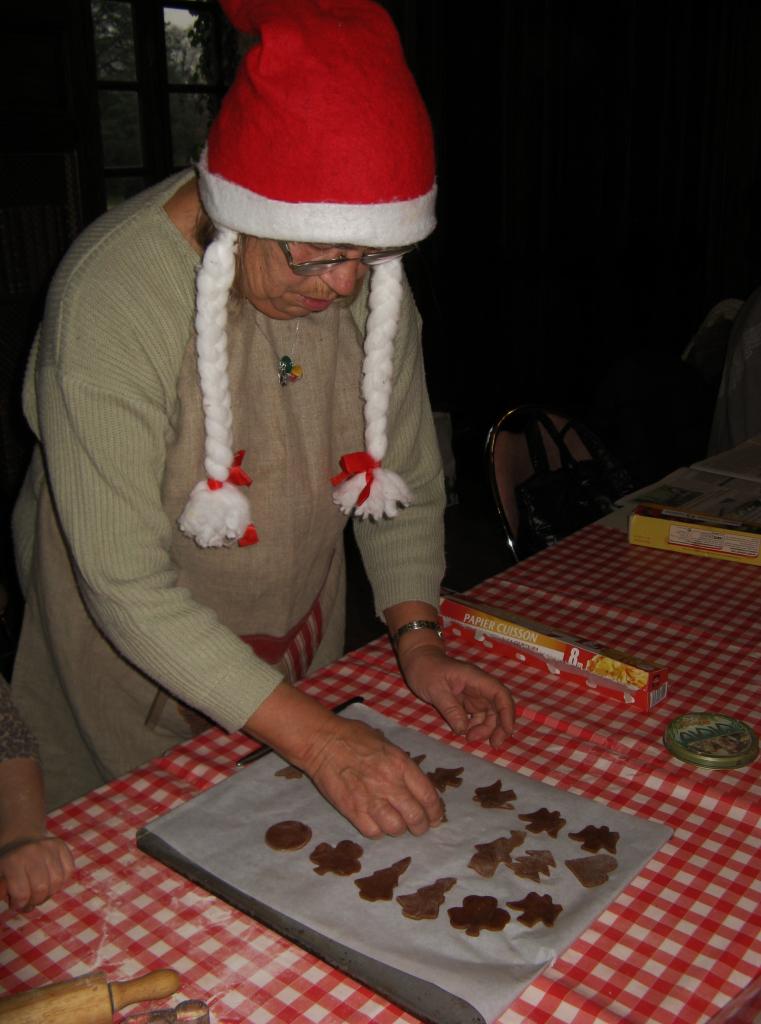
[(370, 259)]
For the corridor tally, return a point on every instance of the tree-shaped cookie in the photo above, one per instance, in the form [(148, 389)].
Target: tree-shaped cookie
[(478, 913), (495, 796), (532, 864), (489, 856), (380, 884), (424, 904)]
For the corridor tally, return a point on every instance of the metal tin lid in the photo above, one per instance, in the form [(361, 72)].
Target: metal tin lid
[(710, 740)]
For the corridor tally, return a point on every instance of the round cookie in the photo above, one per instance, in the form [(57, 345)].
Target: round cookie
[(288, 835)]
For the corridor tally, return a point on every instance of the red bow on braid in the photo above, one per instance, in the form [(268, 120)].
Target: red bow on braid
[(237, 475), (353, 463), (240, 477)]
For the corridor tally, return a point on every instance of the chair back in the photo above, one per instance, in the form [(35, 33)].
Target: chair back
[(550, 475)]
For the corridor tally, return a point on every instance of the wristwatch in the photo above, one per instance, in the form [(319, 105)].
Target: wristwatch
[(411, 627)]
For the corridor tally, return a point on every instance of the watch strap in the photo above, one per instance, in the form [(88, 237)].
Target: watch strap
[(412, 627)]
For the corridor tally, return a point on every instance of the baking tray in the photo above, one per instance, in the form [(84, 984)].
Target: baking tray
[(432, 970), (426, 1001)]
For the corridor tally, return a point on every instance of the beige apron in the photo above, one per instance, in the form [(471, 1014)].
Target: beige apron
[(93, 713)]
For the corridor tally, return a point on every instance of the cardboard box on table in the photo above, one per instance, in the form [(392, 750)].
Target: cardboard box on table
[(611, 673), (671, 529)]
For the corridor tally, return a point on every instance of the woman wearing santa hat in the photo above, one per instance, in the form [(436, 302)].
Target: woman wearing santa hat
[(228, 366)]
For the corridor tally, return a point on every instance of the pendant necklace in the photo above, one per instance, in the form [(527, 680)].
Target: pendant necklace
[(289, 372)]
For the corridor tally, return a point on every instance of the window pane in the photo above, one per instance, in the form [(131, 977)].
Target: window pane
[(119, 189), (114, 40), (191, 117), (190, 48), (120, 128)]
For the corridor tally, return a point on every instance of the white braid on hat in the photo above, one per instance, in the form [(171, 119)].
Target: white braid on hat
[(217, 512), (387, 491)]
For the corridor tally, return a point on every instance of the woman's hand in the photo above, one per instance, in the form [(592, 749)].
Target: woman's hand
[(473, 703), (33, 869), (371, 782), (367, 779)]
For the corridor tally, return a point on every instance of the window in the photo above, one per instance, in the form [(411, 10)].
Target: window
[(161, 70)]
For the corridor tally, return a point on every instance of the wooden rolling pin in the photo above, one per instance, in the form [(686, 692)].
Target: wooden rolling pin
[(88, 1000)]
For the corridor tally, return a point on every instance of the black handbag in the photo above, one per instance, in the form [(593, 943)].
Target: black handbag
[(554, 503)]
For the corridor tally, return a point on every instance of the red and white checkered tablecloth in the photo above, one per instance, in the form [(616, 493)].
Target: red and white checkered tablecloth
[(680, 945)]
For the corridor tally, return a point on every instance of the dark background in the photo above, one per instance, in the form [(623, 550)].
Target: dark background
[(600, 191), (599, 184)]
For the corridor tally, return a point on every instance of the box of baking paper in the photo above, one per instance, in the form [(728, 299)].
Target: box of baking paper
[(656, 526), (609, 672)]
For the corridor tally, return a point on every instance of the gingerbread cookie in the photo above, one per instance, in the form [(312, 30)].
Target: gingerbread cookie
[(341, 859), (289, 772), (489, 856), (595, 838), (593, 871), (535, 908), (532, 864), (495, 796), (543, 820), (424, 904), (417, 758), (288, 835), (380, 884), (477, 913), (443, 777)]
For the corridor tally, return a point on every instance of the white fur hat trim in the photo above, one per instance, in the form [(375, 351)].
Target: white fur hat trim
[(381, 225)]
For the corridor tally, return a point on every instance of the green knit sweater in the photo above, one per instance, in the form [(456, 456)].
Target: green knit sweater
[(102, 395)]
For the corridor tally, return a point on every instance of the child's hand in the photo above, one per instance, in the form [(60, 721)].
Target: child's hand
[(32, 869)]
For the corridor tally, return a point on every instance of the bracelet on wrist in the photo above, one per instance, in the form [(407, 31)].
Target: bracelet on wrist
[(412, 627)]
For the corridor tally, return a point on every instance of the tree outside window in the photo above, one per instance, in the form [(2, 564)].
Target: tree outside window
[(161, 69)]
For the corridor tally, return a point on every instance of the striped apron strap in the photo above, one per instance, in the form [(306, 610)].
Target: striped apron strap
[(294, 651)]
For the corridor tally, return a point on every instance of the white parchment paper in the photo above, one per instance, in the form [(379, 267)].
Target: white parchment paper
[(222, 831)]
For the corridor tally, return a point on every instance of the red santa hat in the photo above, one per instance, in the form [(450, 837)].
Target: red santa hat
[(323, 137)]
